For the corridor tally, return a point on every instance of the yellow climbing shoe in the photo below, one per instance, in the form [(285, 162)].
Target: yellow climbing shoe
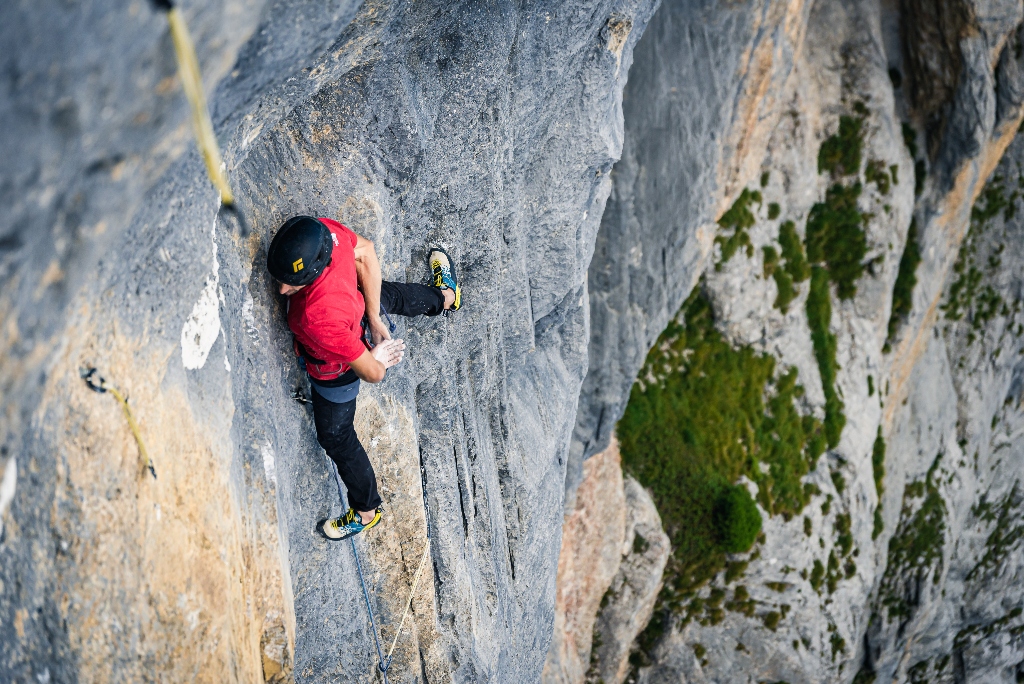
[(444, 275), (348, 525)]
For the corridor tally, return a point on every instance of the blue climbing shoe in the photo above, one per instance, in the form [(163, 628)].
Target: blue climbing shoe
[(348, 525), (444, 274)]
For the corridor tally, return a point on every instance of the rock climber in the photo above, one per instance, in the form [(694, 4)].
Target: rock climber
[(336, 297)]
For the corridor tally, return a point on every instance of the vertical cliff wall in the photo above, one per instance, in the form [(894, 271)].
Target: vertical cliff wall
[(852, 588), (493, 129), (948, 604), (490, 129)]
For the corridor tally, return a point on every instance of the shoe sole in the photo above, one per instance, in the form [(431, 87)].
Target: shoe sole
[(451, 267), (320, 531)]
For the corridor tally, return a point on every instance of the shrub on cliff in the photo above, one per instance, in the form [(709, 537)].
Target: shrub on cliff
[(702, 414), (737, 518)]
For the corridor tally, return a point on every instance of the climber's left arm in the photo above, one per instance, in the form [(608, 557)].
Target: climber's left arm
[(368, 273)]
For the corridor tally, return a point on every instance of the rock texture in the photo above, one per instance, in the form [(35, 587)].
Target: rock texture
[(592, 538), (685, 159), (490, 129), (629, 601), (609, 574), (954, 614)]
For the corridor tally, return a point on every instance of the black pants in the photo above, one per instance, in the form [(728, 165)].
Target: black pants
[(334, 428)]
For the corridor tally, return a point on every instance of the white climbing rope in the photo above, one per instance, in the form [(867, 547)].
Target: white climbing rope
[(412, 592), (383, 662)]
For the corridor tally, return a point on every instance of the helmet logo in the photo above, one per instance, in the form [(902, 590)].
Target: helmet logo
[(297, 265)]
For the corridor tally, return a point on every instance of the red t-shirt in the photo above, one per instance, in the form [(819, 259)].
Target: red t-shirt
[(325, 315)]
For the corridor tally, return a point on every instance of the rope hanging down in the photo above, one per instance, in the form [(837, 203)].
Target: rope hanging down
[(383, 662), (202, 125), (98, 384)]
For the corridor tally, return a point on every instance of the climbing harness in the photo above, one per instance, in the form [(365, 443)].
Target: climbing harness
[(192, 84), (97, 384), (383, 662)]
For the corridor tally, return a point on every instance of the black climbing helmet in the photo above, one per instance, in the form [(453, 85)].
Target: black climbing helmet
[(300, 251)]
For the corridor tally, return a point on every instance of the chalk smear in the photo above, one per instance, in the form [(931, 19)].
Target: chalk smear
[(202, 327), (7, 487)]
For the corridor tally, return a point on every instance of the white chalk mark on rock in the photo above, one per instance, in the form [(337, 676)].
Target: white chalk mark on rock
[(7, 487), (269, 467), (202, 327)]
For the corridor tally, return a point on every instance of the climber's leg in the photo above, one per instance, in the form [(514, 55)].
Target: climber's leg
[(337, 435), (411, 299)]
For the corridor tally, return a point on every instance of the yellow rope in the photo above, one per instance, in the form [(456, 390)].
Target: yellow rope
[(192, 83), (134, 427), (98, 384), (408, 604)]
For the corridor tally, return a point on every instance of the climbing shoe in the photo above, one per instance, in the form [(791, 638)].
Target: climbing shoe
[(444, 275), (348, 525)]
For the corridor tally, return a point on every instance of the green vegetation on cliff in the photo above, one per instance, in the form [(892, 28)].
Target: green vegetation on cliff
[(836, 245), (819, 317), (840, 154), (703, 414), (878, 468), (916, 547), (738, 219), (791, 269), (970, 295), (903, 289), (1005, 537), (835, 237)]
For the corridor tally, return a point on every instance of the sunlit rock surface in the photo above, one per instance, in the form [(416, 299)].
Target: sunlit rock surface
[(496, 131), (488, 129)]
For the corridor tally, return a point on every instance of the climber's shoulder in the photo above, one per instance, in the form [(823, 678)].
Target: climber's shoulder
[(340, 233)]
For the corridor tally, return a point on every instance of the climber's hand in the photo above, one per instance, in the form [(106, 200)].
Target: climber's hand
[(378, 330), (389, 352)]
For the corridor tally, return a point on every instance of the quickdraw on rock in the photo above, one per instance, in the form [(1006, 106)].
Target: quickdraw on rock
[(97, 384), (192, 84)]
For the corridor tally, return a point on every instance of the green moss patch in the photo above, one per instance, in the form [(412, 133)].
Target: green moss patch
[(984, 630), (878, 462), (836, 246), (841, 153), (835, 237), (738, 219), (916, 547), (838, 645), (704, 415), (970, 296), (865, 676), (791, 269), (876, 172), (906, 279), (793, 253), (1005, 537), (819, 318), (878, 469), (737, 519)]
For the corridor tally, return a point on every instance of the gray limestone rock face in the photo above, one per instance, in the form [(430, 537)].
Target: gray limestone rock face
[(658, 239), (630, 599), (592, 539), (496, 131), (488, 129), (948, 608)]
